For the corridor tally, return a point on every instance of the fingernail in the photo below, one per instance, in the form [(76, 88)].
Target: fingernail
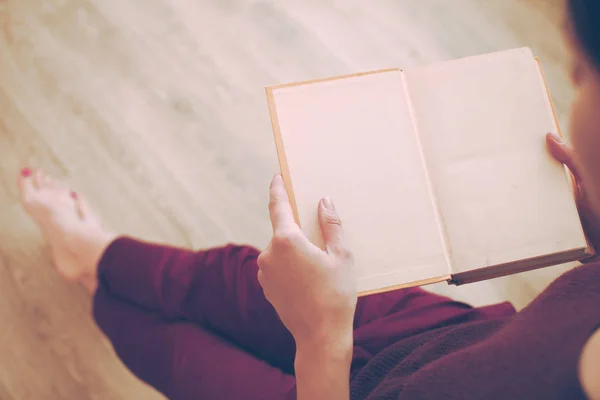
[(74, 195), (328, 203), (26, 172), (557, 138)]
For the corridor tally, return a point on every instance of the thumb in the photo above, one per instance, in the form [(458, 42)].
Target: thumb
[(331, 225), (562, 152)]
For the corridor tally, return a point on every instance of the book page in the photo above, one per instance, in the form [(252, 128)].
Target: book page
[(352, 139), (482, 123)]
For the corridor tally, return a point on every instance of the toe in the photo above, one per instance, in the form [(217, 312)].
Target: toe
[(83, 208), (26, 172), (47, 181), (42, 180), (26, 185), (51, 182), (38, 178)]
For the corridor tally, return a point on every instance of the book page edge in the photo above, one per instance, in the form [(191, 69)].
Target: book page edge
[(423, 282), (283, 165)]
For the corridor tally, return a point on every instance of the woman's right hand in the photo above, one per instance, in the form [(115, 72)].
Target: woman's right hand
[(312, 290), (563, 153)]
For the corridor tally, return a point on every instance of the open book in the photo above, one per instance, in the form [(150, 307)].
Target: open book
[(439, 173)]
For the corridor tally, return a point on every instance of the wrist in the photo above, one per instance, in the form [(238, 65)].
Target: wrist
[(306, 363), (325, 348), (322, 369)]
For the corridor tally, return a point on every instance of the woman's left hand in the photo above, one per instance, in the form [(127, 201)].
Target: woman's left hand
[(312, 290), (590, 220)]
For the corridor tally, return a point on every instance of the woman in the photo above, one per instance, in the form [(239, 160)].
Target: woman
[(233, 323)]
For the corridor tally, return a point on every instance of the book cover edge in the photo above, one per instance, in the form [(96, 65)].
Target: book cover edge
[(524, 265), (422, 282), (283, 165)]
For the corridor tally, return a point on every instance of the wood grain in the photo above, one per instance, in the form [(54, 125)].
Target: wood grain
[(155, 110)]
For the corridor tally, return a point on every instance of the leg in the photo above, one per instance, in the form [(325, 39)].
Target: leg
[(180, 359), (184, 361), (216, 288)]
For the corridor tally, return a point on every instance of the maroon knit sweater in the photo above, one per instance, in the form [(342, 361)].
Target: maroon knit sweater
[(531, 355)]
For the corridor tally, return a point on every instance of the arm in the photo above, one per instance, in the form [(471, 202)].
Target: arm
[(323, 373)]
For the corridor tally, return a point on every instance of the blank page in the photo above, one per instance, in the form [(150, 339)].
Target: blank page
[(482, 122), (352, 139)]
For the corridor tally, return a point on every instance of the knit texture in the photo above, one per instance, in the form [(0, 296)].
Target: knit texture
[(531, 355)]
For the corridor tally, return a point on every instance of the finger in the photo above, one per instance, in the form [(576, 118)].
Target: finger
[(562, 152), (261, 278), (262, 258), (282, 216), (331, 226)]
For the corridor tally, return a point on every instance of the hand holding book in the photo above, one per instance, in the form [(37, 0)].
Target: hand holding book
[(454, 153), (314, 294), (313, 290), (563, 153)]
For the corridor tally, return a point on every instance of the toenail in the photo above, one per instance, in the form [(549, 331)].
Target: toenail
[(74, 195), (26, 172)]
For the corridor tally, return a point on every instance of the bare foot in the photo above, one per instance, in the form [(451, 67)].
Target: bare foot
[(75, 234)]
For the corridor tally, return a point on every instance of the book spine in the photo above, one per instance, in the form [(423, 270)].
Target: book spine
[(438, 215)]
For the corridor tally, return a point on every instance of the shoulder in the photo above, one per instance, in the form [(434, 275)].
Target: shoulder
[(589, 367), (584, 279)]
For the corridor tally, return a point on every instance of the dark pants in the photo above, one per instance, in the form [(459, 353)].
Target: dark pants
[(196, 325)]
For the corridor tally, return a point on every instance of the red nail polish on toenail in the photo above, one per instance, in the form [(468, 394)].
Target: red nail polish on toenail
[(74, 195), (26, 172)]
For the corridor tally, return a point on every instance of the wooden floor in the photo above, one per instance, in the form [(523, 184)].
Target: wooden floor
[(155, 109)]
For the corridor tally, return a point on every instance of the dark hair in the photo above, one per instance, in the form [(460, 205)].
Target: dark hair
[(585, 22)]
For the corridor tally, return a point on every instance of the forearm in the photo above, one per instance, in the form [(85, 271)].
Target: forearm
[(323, 371)]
